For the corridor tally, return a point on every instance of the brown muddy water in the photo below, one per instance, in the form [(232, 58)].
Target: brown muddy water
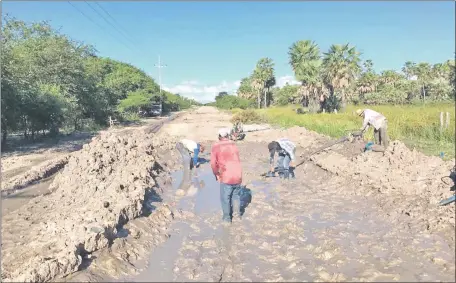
[(292, 232), (13, 201)]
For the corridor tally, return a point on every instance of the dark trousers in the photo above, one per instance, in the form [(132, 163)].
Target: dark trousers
[(381, 135)]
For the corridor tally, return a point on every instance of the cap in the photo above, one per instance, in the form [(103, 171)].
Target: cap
[(224, 132)]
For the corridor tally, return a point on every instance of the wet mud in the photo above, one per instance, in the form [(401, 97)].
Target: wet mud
[(343, 218)]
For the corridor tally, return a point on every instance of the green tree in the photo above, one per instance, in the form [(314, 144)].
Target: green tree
[(341, 66), (263, 76), (424, 74), (246, 90), (305, 59)]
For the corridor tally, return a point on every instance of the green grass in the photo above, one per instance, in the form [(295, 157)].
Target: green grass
[(416, 125)]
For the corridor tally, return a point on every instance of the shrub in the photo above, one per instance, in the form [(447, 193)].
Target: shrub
[(246, 116), (231, 101), (332, 103)]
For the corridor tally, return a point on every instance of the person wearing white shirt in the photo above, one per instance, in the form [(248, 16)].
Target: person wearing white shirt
[(378, 122), (286, 155), (188, 147)]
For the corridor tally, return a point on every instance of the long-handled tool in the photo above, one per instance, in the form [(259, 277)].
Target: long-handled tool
[(448, 200), (350, 137)]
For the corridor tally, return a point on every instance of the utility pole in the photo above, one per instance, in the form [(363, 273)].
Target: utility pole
[(160, 66)]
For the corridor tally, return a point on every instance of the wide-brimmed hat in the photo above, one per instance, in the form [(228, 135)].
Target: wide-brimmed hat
[(359, 112)]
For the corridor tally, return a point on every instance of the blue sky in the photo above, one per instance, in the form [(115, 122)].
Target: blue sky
[(209, 46)]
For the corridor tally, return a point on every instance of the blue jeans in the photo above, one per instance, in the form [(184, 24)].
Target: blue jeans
[(283, 163), (230, 199), (195, 155)]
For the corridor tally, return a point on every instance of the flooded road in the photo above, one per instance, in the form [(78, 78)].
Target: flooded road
[(292, 232)]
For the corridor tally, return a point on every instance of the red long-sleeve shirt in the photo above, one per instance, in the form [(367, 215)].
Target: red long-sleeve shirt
[(225, 162)]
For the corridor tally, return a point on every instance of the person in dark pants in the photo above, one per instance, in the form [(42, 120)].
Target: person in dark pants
[(226, 166), (285, 150)]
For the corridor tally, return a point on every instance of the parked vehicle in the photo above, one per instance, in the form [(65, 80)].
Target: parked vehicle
[(156, 109)]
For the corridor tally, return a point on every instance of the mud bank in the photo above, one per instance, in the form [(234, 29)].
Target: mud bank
[(406, 184), (102, 187)]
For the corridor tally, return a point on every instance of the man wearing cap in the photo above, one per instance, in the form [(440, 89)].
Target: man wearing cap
[(188, 147), (226, 166), (286, 152), (376, 120)]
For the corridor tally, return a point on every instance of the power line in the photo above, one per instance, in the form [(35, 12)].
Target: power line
[(104, 18), (113, 20), (90, 19)]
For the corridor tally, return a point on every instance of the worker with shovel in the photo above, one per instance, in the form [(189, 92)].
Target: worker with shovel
[(226, 166), (378, 121), (286, 153), (188, 147)]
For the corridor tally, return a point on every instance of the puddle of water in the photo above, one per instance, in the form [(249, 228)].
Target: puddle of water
[(206, 201), (14, 201), (207, 198), (161, 261)]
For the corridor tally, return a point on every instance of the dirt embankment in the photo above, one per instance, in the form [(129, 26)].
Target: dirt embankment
[(406, 184), (100, 189)]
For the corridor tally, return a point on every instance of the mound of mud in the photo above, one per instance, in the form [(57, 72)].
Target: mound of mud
[(35, 174), (299, 135), (411, 181), (101, 188)]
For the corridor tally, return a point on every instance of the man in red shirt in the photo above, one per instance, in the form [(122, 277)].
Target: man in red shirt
[(226, 167)]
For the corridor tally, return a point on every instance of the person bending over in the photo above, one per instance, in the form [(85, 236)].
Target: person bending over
[(285, 150)]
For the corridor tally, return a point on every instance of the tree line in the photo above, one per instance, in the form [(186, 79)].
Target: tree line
[(329, 80), (51, 82)]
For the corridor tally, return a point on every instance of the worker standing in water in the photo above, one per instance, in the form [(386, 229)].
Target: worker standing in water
[(286, 155), (226, 166), (188, 147), (378, 121)]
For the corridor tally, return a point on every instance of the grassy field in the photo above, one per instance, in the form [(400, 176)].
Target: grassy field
[(416, 125)]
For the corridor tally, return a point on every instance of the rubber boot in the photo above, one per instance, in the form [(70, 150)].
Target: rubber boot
[(286, 175)]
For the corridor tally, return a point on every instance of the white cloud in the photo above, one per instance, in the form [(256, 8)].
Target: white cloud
[(282, 81), (206, 93)]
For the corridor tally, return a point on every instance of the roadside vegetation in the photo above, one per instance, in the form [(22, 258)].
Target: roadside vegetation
[(53, 84), (333, 84)]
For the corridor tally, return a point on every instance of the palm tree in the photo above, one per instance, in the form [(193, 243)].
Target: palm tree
[(424, 74), (246, 89), (341, 65), (263, 73), (390, 77), (268, 94), (368, 66), (409, 69), (367, 83), (305, 59)]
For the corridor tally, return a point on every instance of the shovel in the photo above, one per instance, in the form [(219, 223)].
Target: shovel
[(447, 201)]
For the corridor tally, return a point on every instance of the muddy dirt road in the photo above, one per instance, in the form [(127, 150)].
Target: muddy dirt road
[(335, 222), (348, 216)]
